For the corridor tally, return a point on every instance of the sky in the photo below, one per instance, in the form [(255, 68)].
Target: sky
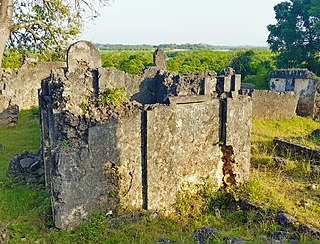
[(216, 22)]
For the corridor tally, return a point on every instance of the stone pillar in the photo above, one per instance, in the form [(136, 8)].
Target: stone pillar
[(159, 59)]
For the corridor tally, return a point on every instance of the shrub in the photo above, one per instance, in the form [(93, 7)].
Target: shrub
[(113, 95)]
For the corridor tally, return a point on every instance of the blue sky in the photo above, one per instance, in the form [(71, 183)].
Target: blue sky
[(217, 22)]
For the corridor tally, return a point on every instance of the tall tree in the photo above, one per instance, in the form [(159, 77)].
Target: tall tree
[(296, 35), (242, 63), (43, 24)]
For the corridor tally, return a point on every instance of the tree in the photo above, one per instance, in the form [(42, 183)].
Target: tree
[(242, 63), (296, 35), (43, 24)]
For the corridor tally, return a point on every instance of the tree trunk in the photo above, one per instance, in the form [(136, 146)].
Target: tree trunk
[(4, 35), (6, 14)]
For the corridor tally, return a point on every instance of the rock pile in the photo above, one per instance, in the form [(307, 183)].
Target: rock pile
[(28, 167)]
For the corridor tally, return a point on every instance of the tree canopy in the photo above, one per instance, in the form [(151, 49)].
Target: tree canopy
[(43, 24), (296, 35)]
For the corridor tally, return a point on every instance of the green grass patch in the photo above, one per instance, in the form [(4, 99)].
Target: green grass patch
[(287, 185)]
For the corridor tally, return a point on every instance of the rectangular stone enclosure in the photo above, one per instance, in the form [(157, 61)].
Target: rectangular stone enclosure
[(174, 131)]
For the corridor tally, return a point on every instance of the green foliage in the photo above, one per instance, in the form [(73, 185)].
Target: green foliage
[(127, 61), (198, 60), (64, 143), (34, 111), (114, 95), (13, 58), (296, 35), (242, 63), (254, 67), (168, 47), (53, 23), (85, 105)]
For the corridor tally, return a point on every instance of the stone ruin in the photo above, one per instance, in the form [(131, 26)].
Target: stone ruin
[(304, 83), (173, 131), (19, 87), (9, 116)]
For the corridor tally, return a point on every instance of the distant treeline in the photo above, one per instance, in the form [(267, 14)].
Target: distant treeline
[(253, 64), (171, 46)]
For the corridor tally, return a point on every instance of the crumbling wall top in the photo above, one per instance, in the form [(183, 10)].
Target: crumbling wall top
[(83, 54), (159, 59), (292, 73)]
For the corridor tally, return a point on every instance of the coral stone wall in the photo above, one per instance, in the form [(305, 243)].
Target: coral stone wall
[(272, 104), (302, 82), (176, 130)]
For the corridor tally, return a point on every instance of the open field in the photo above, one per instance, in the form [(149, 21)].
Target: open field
[(25, 208)]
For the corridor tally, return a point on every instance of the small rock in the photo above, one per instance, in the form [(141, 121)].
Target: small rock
[(1, 147), (164, 241), (309, 229), (234, 240), (40, 171), (33, 167), (279, 161), (279, 237), (246, 205), (286, 219), (315, 132), (201, 235), (28, 167), (26, 162), (315, 169), (294, 242)]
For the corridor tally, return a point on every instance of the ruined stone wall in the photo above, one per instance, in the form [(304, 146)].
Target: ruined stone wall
[(176, 130), (237, 141), (271, 104), (20, 86), (103, 172), (182, 148), (302, 82)]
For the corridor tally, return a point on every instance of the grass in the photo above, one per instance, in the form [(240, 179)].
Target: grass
[(286, 185), (25, 209)]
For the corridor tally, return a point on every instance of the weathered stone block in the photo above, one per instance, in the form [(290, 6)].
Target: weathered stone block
[(159, 59), (9, 116), (104, 175), (271, 104), (83, 55), (239, 115), (182, 148)]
